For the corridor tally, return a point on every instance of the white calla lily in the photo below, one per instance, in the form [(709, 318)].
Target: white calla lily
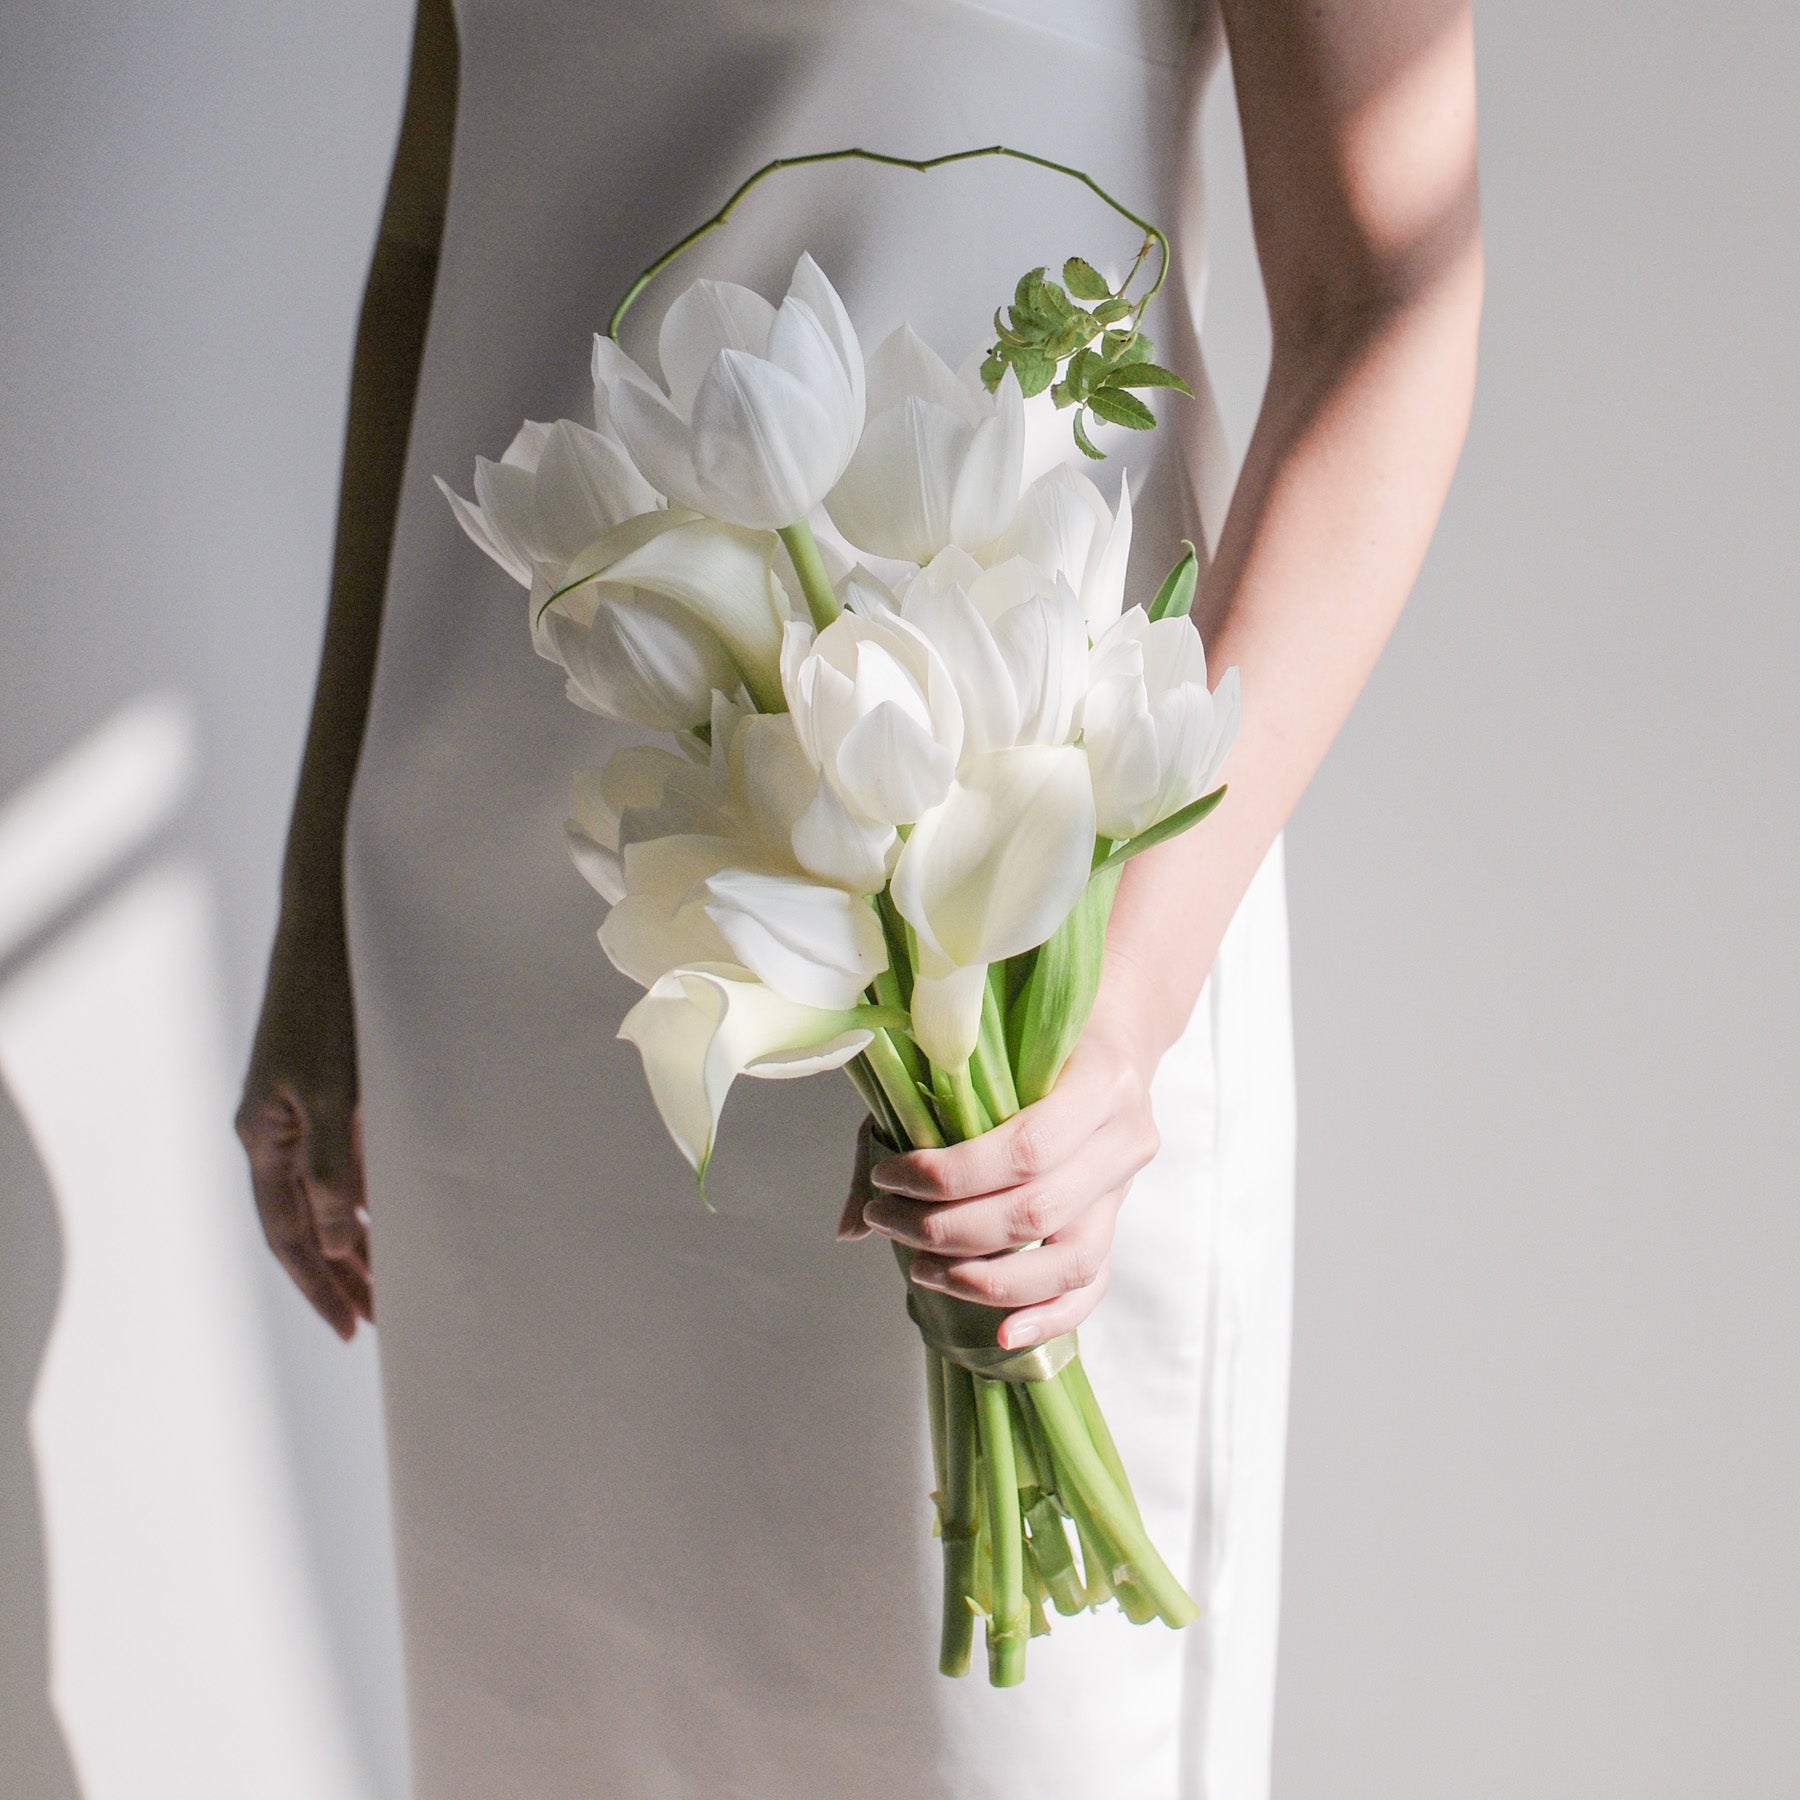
[(940, 460), (1014, 641), (1065, 527), (1154, 735), (722, 576), (765, 404), (698, 1029), (876, 712), (987, 874)]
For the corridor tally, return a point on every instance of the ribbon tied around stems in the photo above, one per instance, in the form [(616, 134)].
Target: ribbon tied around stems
[(964, 1333)]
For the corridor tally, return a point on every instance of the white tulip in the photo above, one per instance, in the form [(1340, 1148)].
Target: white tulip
[(1014, 641), (764, 407), (707, 872), (1066, 528), (1155, 737), (876, 712), (697, 1030), (557, 489), (990, 873), (940, 460)]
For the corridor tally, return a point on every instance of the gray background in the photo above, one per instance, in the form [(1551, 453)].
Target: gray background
[(1545, 1444)]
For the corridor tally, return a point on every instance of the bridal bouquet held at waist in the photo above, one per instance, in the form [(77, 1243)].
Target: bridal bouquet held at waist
[(910, 736)]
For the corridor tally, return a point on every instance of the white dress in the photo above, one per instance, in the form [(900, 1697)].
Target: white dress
[(661, 1474)]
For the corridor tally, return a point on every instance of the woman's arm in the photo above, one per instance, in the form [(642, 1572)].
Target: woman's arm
[(297, 1119), (1359, 135)]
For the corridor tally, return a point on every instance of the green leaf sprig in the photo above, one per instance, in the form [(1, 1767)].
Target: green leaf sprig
[(1083, 340)]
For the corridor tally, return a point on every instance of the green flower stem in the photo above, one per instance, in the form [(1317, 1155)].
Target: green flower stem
[(960, 1104), (991, 1070), (918, 1126), (809, 565), (934, 1408), (921, 166), (874, 1097), (1055, 1560), (958, 1516), (1075, 1379), (1009, 1622), (1084, 1480)]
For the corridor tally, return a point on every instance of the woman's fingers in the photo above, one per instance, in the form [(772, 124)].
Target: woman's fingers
[(273, 1132), (1035, 1209), (851, 1224), (331, 1161), (1071, 1259), (1036, 1323)]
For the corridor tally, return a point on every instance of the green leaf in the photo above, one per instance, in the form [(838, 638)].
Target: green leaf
[(1035, 371), (1085, 281), (991, 372), (1050, 298), (1085, 372), (1028, 282), (1145, 375), (1120, 408), (1083, 443), (1110, 312), (1175, 598), (1053, 1006), (1173, 826)]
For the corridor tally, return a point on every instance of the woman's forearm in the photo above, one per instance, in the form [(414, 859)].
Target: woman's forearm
[(1351, 458), (390, 343)]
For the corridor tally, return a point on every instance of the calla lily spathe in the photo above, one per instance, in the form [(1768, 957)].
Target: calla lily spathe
[(1155, 736), (764, 405), (698, 1029), (987, 874), (940, 460)]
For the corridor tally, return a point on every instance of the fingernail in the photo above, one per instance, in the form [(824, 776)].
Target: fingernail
[(871, 1217), (929, 1275), (1018, 1336)]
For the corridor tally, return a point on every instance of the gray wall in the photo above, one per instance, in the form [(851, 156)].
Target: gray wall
[(1541, 1534), (188, 197)]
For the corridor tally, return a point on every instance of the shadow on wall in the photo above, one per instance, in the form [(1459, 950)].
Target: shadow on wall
[(37, 1760)]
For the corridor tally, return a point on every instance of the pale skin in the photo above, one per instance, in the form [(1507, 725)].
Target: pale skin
[(1359, 130)]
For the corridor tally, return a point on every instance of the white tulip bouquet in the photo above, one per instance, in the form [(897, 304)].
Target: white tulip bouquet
[(900, 772)]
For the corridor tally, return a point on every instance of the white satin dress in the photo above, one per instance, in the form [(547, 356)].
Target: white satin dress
[(661, 1474)]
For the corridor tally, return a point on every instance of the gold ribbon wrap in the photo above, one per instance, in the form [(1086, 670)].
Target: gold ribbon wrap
[(962, 1332)]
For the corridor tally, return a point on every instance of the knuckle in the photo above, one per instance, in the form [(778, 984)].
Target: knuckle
[(934, 1227), (1031, 1214), (1031, 1148), (1086, 1262)]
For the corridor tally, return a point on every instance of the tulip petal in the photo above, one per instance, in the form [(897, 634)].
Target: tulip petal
[(810, 286), (473, 521), (765, 447), (904, 366), (705, 318), (831, 843), (987, 486), (660, 442), (659, 925), (1102, 582), (995, 868), (809, 942), (890, 767)]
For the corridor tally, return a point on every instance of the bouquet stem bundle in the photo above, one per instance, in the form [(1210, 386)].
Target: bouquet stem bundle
[(1021, 1451)]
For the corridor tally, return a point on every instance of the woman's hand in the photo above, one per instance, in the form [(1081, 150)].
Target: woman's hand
[(298, 1123), (1053, 1178)]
